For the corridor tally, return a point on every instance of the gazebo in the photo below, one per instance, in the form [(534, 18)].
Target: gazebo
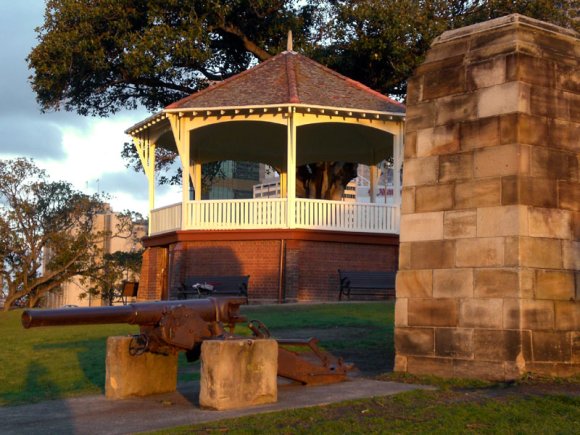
[(285, 112)]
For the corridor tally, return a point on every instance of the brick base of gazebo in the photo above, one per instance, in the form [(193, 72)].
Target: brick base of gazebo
[(284, 265)]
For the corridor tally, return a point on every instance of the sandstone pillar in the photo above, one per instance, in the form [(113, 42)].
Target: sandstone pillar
[(238, 373), (140, 375), (490, 227)]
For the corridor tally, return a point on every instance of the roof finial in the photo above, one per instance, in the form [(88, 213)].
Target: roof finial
[(289, 43)]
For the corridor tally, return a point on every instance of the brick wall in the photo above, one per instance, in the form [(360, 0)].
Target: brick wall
[(490, 250), (152, 285)]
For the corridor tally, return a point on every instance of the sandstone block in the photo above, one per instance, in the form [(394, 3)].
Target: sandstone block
[(501, 345), (460, 224), (532, 130), (439, 140), (531, 69), (404, 255), (443, 82), (434, 198), (456, 109), (421, 171), (420, 116), (432, 312), (400, 364), (528, 314), (408, 200), (569, 195), (502, 221), (454, 342), (487, 73), (550, 222), (438, 254), (497, 283), (552, 346), (455, 167), (498, 161), (480, 252), (141, 375), (481, 133), (410, 146), (540, 252), (571, 255), (537, 192), (451, 49), (563, 370), (563, 134), (414, 90), (414, 283), (238, 373), (505, 98), (401, 312), (544, 102), (481, 313), (567, 315), (481, 193), (421, 226), (452, 283), (474, 369), (555, 284), (442, 367), (553, 163), (414, 341), (509, 128)]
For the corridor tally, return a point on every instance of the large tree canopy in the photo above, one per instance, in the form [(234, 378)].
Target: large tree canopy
[(47, 232), (96, 57)]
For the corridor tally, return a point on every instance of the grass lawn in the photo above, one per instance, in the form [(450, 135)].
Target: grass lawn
[(48, 363)]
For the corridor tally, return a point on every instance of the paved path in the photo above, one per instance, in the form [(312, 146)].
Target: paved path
[(97, 415)]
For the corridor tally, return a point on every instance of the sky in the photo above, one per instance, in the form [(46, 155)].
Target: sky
[(84, 151)]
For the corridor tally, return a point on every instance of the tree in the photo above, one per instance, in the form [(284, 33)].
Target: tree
[(97, 57), (114, 269), (47, 232)]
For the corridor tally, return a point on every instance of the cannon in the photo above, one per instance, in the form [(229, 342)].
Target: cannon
[(168, 327)]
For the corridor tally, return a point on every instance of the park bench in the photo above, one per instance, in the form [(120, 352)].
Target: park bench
[(366, 283), (203, 286), (128, 292)]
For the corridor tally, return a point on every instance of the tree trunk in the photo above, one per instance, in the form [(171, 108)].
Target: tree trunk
[(324, 180)]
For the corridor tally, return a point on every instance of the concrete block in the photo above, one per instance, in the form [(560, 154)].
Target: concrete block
[(438, 254), (142, 375), (432, 312), (414, 341), (414, 283), (238, 373), (481, 313), (439, 140), (421, 226), (497, 283), (551, 346), (502, 221), (434, 198), (480, 193), (421, 171), (454, 167), (460, 224), (481, 133), (567, 315), (505, 98), (480, 252), (555, 284), (550, 222), (454, 342), (453, 283), (498, 161)]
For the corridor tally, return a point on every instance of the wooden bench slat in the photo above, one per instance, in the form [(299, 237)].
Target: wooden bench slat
[(232, 285), (360, 282)]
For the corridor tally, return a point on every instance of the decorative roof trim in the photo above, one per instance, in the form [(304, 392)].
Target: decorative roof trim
[(291, 73)]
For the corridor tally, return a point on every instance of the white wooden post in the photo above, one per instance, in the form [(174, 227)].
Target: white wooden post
[(151, 178), (185, 175), (291, 171)]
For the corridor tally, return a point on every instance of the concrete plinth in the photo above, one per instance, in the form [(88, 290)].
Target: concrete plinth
[(140, 375), (238, 373)]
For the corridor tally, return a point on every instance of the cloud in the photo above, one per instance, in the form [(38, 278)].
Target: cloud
[(128, 182), (31, 138)]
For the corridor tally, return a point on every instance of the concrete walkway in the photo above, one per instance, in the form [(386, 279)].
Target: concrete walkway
[(97, 415)]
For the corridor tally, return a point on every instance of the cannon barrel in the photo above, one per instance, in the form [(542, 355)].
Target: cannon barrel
[(225, 310)]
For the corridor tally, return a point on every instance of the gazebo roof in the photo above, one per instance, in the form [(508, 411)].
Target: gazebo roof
[(290, 78)]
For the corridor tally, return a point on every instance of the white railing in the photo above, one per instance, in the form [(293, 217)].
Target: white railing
[(236, 214), (347, 216), (166, 219), (261, 213)]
